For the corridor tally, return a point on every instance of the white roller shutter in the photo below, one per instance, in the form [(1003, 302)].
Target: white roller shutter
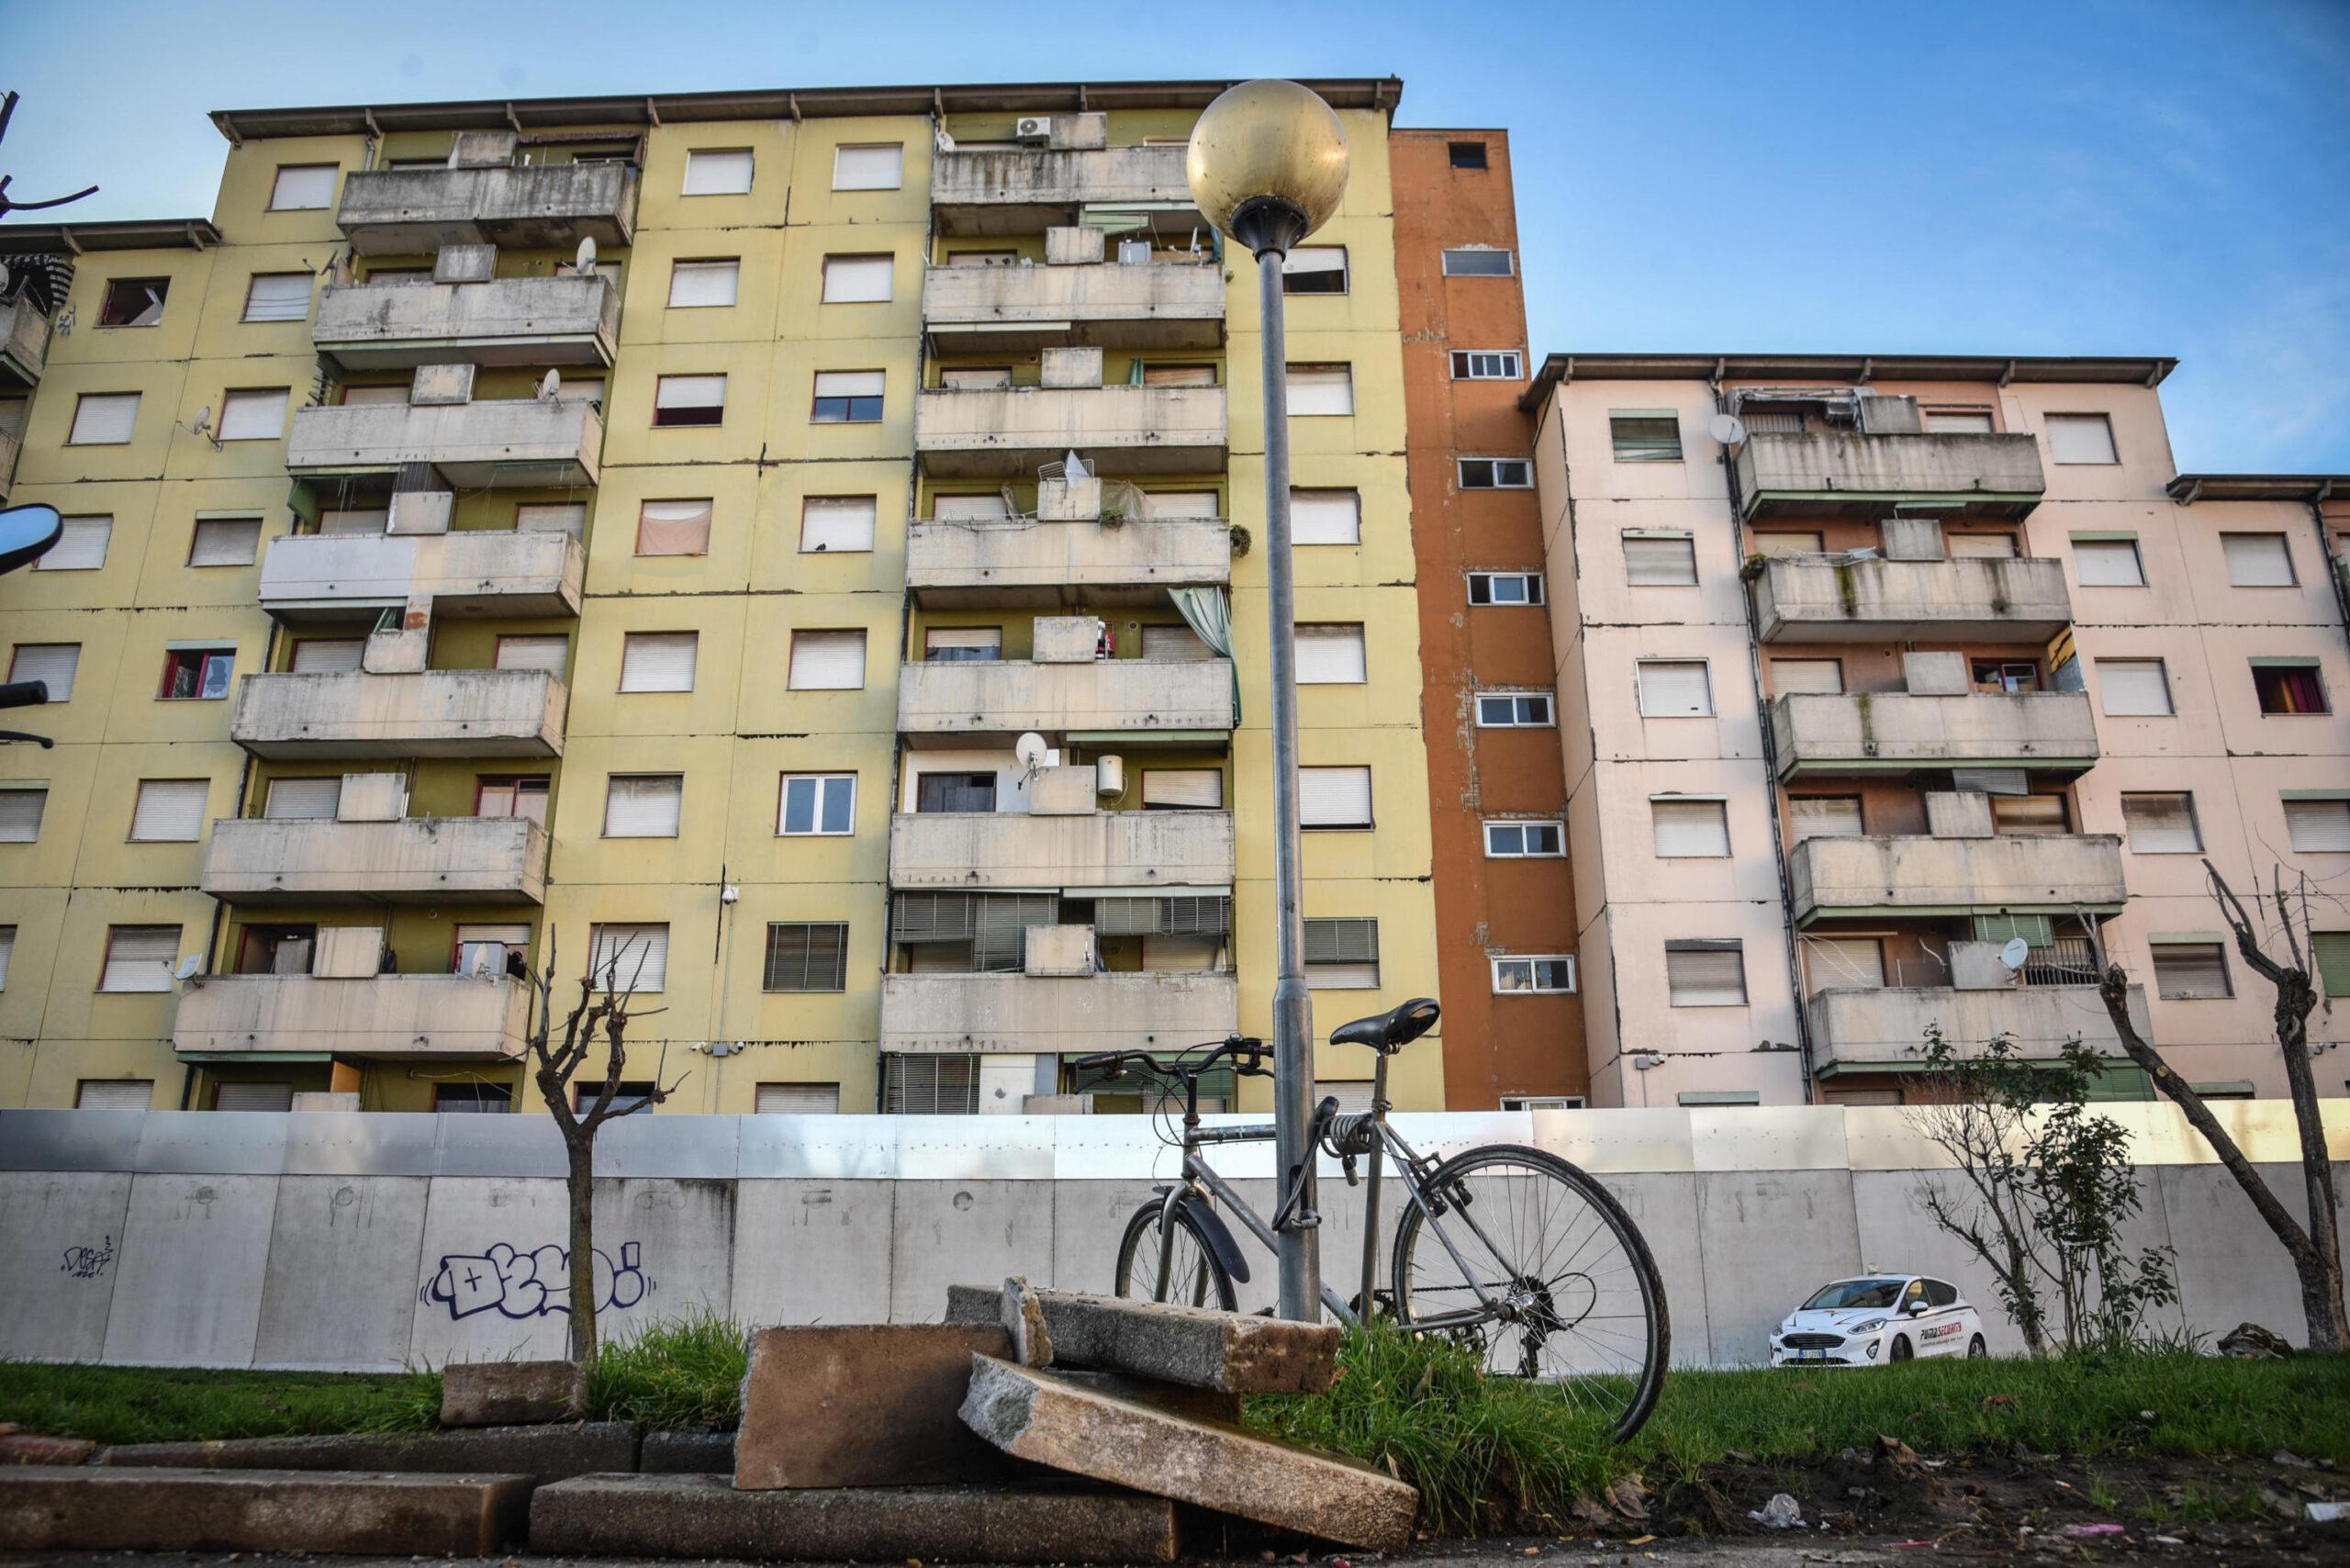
[(354, 522), (1690, 829), (1675, 689), (703, 284), (673, 528), (1325, 517), (628, 956), (2108, 562), (1321, 390), (851, 383), (302, 186), (1352, 1096), (2191, 971), (827, 661), (963, 643), (225, 541), (310, 800), (253, 1097), (532, 653), (1844, 963), (170, 810), (1316, 259), (2257, 560), (859, 280), (104, 419), (2319, 828), (253, 415), (645, 807), (1200, 788), (115, 1095), (2134, 687), (2164, 824), (141, 957), (1659, 561), (80, 546), (278, 297), (1825, 817), (555, 516), (1330, 655), (53, 662), (718, 172), (321, 655), (988, 508), (799, 1099), (1713, 975), (837, 523), (1333, 797), (2080, 438), (675, 392), (1964, 546), (21, 809), (1174, 643), (1769, 545), (1824, 677), (877, 167), (658, 661)]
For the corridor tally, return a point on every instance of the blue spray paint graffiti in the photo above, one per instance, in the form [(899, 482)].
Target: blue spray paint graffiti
[(531, 1284), (88, 1262)]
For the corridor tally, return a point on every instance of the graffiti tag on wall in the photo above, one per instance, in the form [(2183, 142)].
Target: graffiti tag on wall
[(88, 1262), (531, 1284)]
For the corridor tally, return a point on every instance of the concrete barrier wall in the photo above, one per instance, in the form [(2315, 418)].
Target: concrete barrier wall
[(375, 1241)]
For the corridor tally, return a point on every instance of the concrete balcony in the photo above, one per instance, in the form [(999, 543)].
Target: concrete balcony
[(24, 342), (560, 319), (1125, 701), (514, 443), (1993, 475), (1825, 737), (1099, 304), (1021, 190), (1032, 563), (413, 212), (384, 1015), (1842, 878), (1967, 599), (1882, 1030), (437, 712), (309, 578), (1117, 430), (1052, 1013), (435, 860), (986, 850)]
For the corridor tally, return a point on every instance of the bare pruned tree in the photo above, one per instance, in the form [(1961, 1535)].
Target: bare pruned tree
[(602, 1014), (9, 203), (2316, 1250)]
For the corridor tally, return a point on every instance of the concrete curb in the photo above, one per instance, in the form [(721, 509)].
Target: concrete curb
[(123, 1508)]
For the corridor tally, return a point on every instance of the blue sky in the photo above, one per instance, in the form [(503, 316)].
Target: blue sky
[(2088, 176)]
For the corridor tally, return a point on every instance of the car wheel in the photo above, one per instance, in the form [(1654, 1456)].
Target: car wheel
[(1901, 1350), (1977, 1349)]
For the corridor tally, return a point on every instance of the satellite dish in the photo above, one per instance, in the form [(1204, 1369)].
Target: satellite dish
[(188, 965), (2014, 954), (584, 258), (1030, 749), (204, 418), (549, 385), (1728, 428)]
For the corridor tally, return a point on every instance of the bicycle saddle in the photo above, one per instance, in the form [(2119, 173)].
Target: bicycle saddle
[(1392, 1030)]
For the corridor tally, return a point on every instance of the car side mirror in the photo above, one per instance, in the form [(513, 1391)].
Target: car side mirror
[(1917, 1307)]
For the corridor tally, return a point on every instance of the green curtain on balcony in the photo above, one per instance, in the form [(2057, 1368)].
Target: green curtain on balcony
[(1209, 611)]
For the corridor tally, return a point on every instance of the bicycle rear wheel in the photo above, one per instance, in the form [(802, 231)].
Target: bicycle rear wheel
[(1577, 1301), (1194, 1277)]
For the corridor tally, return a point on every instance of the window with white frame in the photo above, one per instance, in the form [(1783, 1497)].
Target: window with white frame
[(1342, 954), (1314, 269), (104, 419), (224, 542), (1330, 655), (1534, 974), (643, 805), (842, 524), (2190, 970), (816, 805), (277, 296), (827, 661), (1333, 797), (868, 166), (1514, 710), (859, 280), (2162, 823), (139, 958), (2319, 825), (2081, 438), (22, 806), (1322, 517), (718, 171), (1488, 364), (253, 414), (1675, 689), (1478, 261), (1525, 840), (659, 661), (689, 400), (628, 956), (54, 665), (1653, 558), (1704, 973), (302, 188), (2257, 560), (2108, 560), (1689, 829), (674, 528), (169, 810), (1496, 473), (1321, 390), (1505, 588), (704, 285), (2134, 687)]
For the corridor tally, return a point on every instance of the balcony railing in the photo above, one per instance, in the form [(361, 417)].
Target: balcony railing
[(1813, 598), (2063, 874), (1826, 736), (412, 212), (1882, 1030), (260, 860), (1025, 190), (1156, 305), (561, 319), (1116, 430), (1032, 563), (1132, 699), (555, 444), (383, 1015), (1784, 475), (24, 342), (1017, 1013), (327, 576), (1018, 849), (439, 712)]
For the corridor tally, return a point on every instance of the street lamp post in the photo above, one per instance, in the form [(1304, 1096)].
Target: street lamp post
[(1268, 165)]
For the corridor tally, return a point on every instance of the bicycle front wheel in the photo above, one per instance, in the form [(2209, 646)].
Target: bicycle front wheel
[(1194, 1278), (1569, 1295)]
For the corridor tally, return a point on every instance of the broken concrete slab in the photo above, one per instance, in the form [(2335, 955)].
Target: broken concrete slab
[(702, 1517), (871, 1405), (503, 1393), (111, 1508), (1035, 1415), (687, 1454), (1024, 1319), (1230, 1351), (543, 1453)]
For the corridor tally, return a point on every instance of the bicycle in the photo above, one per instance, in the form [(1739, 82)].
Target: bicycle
[(1542, 1304)]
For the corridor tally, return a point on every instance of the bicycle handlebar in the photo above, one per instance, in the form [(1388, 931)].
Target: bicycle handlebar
[(1247, 1054)]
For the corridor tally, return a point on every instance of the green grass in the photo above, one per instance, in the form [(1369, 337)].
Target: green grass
[(674, 1377), (143, 1405)]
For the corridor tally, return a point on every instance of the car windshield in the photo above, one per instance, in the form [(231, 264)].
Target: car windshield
[(1855, 1292)]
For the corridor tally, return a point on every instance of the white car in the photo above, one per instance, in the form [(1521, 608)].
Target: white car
[(1876, 1319)]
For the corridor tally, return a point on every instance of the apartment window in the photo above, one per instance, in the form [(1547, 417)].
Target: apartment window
[(930, 1085), (847, 398), (397, 394), (868, 166), (80, 546), (1534, 975), (1825, 817), (278, 297), (2257, 560), (1205, 503), (2331, 949), (1959, 421), (658, 661), (817, 805), (1342, 954), (2080, 438), (473, 1099), (1690, 830), (2319, 828), (1174, 642), (1320, 517), (1706, 973), (2108, 561), (831, 525), (52, 664), (827, 661), (512, 797), (2288, 686), (253, 415), (1675, 689), (1644, 435), (1514, 710), (1185, 376), (1844, 963), (1333, 797), (196, 674), (7, 951), (133, 302), (169, 810), (1496, 473), (1314, 269), (2134, 687), (21, 807), (628, 1095), (114, 1094), (2191, 971), (1814, 676), (1659, 560), (807, 956), (1526, 841), (718, 171), (1466, 154), (859, 280), (546, 652), (625, 958), (1330, 655), (673, 528), (1505, 588), (139, 958), (551, 517), (642, 805), (704, 285), (104, 419), (2162, 823), (687, 400), (1488, 364), (797, 1100), (302, 188), (1317, 391), (1478, 261), (312, 800), (224, 542), (2028, 816), (328, 656), (1182, 788), (954, 792)]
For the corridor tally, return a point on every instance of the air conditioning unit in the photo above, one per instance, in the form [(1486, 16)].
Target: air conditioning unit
[(1032, 130)]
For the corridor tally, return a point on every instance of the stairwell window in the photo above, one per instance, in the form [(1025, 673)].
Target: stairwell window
[(1644, 435), (196, 675), (2081, 438), (1488, 364), (2162, 823), (1505, 588), (2318, 825), (1333, 797), (169, 810), (1314, 269), (1342, 954), (278, 297), (2288, 686), (224, 542), (643, 805), (1706, 972), (704, 285), (104, 419), (257, 414), (139, 958), (807, 955), (2191, 971), (22, 806), (52, 664), (1466, 155), (134, 302), (718, 171), (1321, 391), (658, 661), (847, 398), (1532, 976), (1657, 559), (629, 958), (673, 528), (2134, 687), (1515, 710), (1496, 473), (1526, 840), (1479, 261), (1675, 689), (302, 188), (1317, 517), (1330, 655), (859, 280), (1688, 829), (689, 400), (2106, 560), (868, 166), (837, 524), (827, 661), (817, 805), (2258, 560)]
